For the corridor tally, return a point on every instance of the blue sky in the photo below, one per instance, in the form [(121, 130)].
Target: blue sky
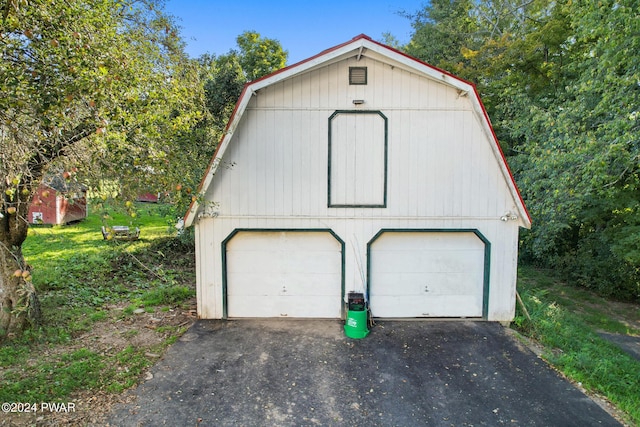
[(304, 28)]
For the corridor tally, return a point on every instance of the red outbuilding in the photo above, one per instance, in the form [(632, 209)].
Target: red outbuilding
[(58, 201)]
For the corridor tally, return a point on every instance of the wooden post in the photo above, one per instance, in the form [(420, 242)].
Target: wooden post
[(524, 308)]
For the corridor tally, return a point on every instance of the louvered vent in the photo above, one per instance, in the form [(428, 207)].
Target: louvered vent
[(357, 75)]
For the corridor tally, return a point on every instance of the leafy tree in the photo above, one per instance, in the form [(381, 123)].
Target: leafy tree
[(560, 82), (223, 88), (227, 74), (85, 85), (592, 133), (443, 31), (223, 79), (259, 56)]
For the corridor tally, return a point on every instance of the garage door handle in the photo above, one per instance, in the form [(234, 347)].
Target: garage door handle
[(283, 314)]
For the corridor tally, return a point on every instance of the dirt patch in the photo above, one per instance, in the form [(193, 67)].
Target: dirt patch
[(108, 337), (139, 330)]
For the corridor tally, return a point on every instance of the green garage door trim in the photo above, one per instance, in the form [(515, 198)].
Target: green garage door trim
[(225, 311), (487, 256)]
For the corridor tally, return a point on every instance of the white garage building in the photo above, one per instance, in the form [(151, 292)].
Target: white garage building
[(359, 169)]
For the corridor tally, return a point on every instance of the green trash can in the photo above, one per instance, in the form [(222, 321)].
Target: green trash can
[(356, 324)]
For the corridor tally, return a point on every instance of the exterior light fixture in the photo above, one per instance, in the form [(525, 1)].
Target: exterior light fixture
[(508, 216)]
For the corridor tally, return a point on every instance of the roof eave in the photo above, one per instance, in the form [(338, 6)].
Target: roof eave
[(356, 45)]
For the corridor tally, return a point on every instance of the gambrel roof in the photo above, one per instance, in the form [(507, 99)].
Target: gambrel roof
[(361, 45)]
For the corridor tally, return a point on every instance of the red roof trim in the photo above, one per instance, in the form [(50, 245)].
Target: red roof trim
[(242, 94), (304, 61), (504, 159), (484, 112), (334, 48)]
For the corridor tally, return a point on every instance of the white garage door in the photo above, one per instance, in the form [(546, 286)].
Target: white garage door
[(284, 274), (427, 274)]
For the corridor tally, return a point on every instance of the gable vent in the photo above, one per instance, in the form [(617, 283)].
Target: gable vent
[(357, 75)]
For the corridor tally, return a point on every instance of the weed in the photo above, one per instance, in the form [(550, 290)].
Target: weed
[(130, 333), (572, 328), (128, 310), (54, 380), (80, 277), (167, 296), (12, 354), (127, 366), (163, 329), (98, 315)]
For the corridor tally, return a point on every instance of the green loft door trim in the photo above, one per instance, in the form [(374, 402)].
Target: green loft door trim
[(330, 204)]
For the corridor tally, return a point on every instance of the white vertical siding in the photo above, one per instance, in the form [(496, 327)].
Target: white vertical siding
[(441, 167), (502, 237), (442, 173)]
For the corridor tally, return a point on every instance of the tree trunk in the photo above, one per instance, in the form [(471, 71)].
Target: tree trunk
[(19, 305)]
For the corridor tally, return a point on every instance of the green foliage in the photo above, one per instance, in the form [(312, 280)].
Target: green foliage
[(223, 88), (135, 362), (586, 153), (259, 56), (560, 82), (167, 296), (568, 333), (442, 32), (99, 89), (226, 75), (100, 84), (84, 281), (220, 80), (10, 355), (163, 295), (75, 370)]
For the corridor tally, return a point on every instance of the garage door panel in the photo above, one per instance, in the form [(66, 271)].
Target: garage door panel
[(438, 241), (284, 274), (452, 283), (302, 306), (387, 284), (252, 306), (419, 284), (311, 261), (319, 284), (287, 306), (398, 259), (434, 307), (427, 274), (245, 284), (430, 260), (237, 261), (451, 260)]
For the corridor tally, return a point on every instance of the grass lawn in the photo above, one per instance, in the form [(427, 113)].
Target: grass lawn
[(566, 321), (110, 309)]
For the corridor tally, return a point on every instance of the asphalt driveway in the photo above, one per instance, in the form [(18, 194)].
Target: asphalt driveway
[(303, 373)]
